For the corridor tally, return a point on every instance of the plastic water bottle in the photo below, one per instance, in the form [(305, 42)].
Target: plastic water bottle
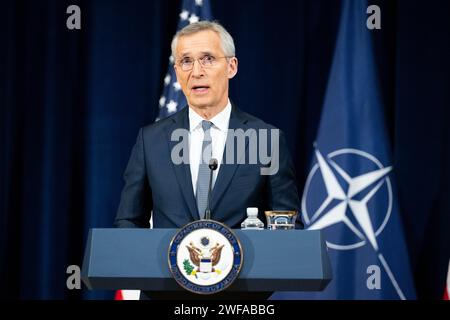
[(252, 222)]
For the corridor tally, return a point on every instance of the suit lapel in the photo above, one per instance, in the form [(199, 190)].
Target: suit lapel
[(227, 171), (183, 171)]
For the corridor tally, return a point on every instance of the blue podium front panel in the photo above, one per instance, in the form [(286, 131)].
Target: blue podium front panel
[(293, 260)]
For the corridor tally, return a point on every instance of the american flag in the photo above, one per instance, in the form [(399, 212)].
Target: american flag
[(172, 98)]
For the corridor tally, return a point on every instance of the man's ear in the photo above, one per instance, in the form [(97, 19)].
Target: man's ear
[(232, 67), (175, 68)]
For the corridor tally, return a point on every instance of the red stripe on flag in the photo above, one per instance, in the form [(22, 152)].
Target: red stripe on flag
[(118, 295), (447, 285)]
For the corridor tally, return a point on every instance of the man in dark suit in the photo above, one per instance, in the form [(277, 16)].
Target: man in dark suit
[(174, 192), (205, 61)]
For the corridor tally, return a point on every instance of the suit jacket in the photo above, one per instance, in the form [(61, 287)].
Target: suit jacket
[(154, 183)]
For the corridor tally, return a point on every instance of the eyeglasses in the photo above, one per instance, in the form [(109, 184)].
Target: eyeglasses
[(206, 61)]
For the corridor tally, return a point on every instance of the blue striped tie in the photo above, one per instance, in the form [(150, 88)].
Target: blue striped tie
[(203, 170)]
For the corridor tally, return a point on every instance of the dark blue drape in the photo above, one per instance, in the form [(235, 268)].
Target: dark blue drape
[(72, 101)]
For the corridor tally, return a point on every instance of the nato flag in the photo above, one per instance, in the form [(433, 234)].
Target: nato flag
[(350, 191)]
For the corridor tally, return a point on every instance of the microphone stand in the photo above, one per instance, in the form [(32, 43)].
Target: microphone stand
[(212, 166)]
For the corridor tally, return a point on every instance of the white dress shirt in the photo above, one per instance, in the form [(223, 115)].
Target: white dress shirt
[(219, 131)]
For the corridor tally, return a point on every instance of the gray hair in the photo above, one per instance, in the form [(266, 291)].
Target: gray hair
[(226, 40)]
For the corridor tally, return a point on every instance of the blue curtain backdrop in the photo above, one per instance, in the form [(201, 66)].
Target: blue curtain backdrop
[(72, 101)]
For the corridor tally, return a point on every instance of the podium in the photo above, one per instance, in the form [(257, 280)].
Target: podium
[(291, 260)]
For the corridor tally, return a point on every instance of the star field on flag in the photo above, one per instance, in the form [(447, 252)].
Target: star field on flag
[(172, 98)]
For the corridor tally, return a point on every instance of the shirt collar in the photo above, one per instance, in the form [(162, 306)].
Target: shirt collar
[(220, 120)]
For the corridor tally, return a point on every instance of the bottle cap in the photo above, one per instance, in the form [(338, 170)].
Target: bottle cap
[(252, 211)]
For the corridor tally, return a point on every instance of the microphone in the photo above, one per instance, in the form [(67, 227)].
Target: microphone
[(212, 166)]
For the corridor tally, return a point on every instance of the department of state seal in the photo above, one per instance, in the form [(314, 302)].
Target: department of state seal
[(205, 257)]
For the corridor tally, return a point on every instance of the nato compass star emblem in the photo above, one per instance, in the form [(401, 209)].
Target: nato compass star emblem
[(347, 197), (347, 200)]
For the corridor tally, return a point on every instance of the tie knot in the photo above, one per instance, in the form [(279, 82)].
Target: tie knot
[(206, 125)]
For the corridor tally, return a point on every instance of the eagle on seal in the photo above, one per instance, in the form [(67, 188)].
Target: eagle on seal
[(196, 254)]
